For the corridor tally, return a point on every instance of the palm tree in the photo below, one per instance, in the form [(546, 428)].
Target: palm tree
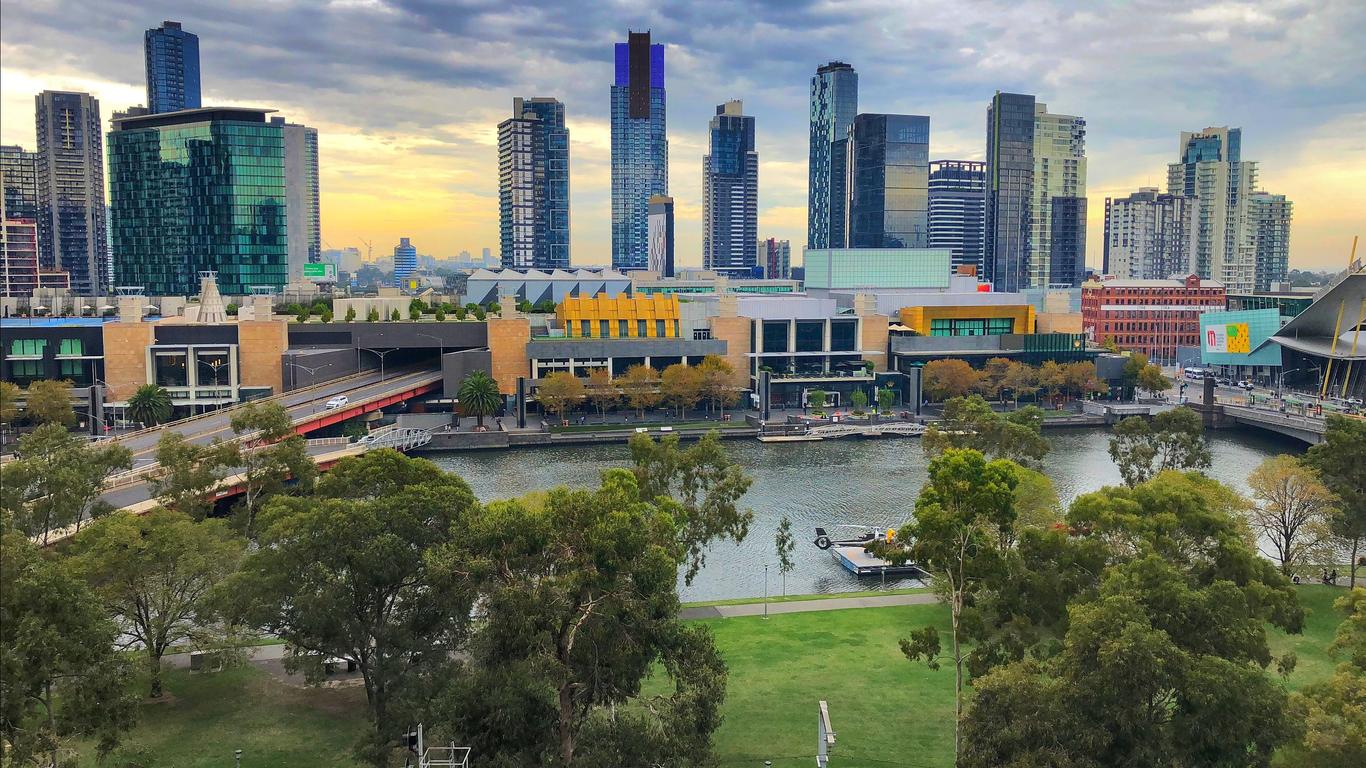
[(479, 396), (150, 405)]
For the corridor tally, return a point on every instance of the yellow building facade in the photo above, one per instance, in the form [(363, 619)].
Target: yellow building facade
[(970, 320), (622, 317)]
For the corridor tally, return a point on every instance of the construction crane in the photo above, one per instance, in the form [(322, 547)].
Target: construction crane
[(369, 249)]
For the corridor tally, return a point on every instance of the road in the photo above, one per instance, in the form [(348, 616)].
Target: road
[(804, 606)]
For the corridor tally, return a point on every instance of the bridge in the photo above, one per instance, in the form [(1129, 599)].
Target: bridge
[(1309, 429), (850, 429)]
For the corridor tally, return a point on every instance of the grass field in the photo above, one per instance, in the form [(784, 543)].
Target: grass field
[(886, 710)]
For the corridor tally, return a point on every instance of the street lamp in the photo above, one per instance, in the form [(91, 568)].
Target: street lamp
[(381, 354), (441, 343), (312, 379), (213, 365)]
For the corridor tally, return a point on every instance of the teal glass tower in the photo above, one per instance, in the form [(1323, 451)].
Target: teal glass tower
[(834, 104), (198, 190)]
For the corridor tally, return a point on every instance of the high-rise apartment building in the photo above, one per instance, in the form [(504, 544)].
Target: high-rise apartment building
[(533, 185), (18, 254), (1212, 171), (172, 56), (72, 235), (775, 256), (1035, 195), (405, 258), (19, 179), (662, 235), (302, 209), (640, 147), (888, 169), (1148, 235), (1269, 220), (957, 214), (834, 104), (197, 191), (730, 192)]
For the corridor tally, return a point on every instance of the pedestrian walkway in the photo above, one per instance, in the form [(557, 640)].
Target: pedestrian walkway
[(804, 606)]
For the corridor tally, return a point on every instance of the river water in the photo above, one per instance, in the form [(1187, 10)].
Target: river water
[(826, 483)]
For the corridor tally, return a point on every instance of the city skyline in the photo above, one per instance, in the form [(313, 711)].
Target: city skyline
[(407, 125)]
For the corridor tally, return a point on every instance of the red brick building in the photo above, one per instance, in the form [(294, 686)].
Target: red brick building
[(1149, 316)]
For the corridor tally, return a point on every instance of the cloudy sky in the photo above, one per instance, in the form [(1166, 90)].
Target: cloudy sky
[(406, 94)]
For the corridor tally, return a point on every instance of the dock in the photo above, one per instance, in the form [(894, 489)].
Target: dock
[(857, 561)]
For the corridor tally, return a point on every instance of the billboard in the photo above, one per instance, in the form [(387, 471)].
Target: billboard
[(320, 272), (1232, 338)]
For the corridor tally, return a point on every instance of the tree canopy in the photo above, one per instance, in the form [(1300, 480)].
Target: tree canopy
[(1338, 460), (1174, 439), (970, 422), (58, 479)]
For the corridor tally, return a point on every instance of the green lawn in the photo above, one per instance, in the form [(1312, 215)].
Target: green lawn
[(1311, 646)]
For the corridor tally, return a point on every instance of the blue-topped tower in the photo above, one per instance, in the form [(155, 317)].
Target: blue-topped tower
[(172, 68), (640, 147)]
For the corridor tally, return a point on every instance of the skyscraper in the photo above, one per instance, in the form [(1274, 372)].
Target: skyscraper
[(18, 254), (834, 104), (662, 235), (640, 147), (195, 191), (71, 215), (301, 196), (172, 68), (958, 210), (775, 256), (19, 178), (888, 188), (730, 192), (405, 259), (1148, 236), (533, 185), (1035, 195), (1212, 171), (1268, 218)]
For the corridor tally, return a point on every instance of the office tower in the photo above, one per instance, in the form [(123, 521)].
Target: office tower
[(487, 256), (198, 191), (301, 196), (18, 253), (1148, 235), (172, 68), (533, 185), (662, 235), (775, 256), (1212, 171), (888, 160), (1268, 219), (730, 192), (350, 260), (405, 259), (1035, 195), (71, 213), (958, 210), (19, 178), (640, 147), (834, 104)]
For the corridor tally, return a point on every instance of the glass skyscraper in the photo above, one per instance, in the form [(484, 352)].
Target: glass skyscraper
[(958, 210), (640, 147), (303, 212), (888, 171), (834, 104), (72, 234), (405, 258), (730, 193), (533, 185), (19, 178), (1009, 189), (172, 68), (196, 191)]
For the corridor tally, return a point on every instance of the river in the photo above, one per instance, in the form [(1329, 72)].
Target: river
[(866, 482)]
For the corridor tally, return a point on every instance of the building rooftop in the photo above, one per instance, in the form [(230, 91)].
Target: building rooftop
[(1171, 282), (128, 122)]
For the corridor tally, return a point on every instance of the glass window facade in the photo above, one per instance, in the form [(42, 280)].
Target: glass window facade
[(198, 193), (640, 147), (834, 104), (1009, 189), (730, 193), (843, 335), (878, 268), (775, 336), (888, 172), (533, 186), (991, 326), (957, 213), (810, 336), (171, 370), (172, 68)]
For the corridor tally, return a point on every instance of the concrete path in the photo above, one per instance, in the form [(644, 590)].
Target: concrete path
[(803, 606)]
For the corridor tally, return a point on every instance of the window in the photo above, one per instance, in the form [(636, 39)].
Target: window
[(640, 328), (622, 326), (170, 370), (810, 335), (843, 335), (604, 328), (27, 347), (775, 336), (26, 370), (71, 348), (659, 328), (584, 328)]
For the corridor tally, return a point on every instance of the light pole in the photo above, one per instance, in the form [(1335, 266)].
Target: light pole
[(381, 355), (213, 366), (312, 379), (441, 343)]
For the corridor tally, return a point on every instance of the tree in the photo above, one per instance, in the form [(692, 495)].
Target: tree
[(1036, 500), (886, 399), (351, 314), (326, 316), (414, 314), (439, 315), (9, 402), (559, 392), (1133, 366), (816, 399), (602, 390), (460, 313), (785, 544), (858, 401), (303, 315), (994, 374), (344, 573), (494, 308), (1152, 380), (964, 510), (270, 454), (1335, 731), (1081, 378), (640, 386), (189, 473), (49, 402), (479, 396), (58, 480), (718, 382), (970, 422), (150, 405), (154, 574), (704, 481), (576, 609), (63, 678), (1292, 510), (394, 315), (681, 387), (230, 309), (1051, 378), (1021, 379), (1338, 461), (373, 315), (949, 378), (1174, 439)]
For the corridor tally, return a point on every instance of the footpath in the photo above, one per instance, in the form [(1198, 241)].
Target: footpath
[(805, 606)]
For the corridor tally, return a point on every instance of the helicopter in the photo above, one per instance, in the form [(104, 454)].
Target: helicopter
[(870, 535)]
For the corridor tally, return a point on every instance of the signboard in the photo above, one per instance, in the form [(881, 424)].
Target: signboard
[(320, 272), (1231, 338)]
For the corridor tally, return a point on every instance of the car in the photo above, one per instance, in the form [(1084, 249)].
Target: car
[(666, 429), (1356, 401), (338, 401), (1245, 384)]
